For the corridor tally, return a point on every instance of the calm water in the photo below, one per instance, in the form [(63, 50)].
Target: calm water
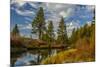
[(33, 57)]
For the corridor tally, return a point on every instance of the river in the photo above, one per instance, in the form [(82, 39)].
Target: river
[(33, 57)]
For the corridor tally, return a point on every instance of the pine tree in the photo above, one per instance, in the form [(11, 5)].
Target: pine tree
[(38, 24), (62, 32), (15, 31), (50, 32), (72, 38)]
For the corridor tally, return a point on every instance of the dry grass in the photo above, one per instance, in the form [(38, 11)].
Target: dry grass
[(83, 52)]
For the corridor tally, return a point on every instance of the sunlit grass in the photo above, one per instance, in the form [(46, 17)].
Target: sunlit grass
[(69, 56)]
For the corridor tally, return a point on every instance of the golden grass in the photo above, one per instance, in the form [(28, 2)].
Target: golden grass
[(68, 56)]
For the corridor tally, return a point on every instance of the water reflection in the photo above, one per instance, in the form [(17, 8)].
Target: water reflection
[(31, 58), (26, 59)]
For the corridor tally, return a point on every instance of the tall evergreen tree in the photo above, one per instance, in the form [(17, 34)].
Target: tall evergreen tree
[(73, 36), (15, 31), (38, 24), (62, 32), (50, 32)]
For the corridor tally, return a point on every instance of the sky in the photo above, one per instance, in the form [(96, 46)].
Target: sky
[(23, 13)]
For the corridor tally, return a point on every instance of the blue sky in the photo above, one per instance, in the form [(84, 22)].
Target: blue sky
[(23, 13)]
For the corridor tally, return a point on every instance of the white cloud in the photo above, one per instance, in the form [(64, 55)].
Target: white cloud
[(20, 25), (19, 4), (63, 13), (89, 23), (25, 35), (33, 4), (27, 22), (29, 19), (29, 26), (72, 25), (66, 13), (58, 9), (25, 27), (25, 13)]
